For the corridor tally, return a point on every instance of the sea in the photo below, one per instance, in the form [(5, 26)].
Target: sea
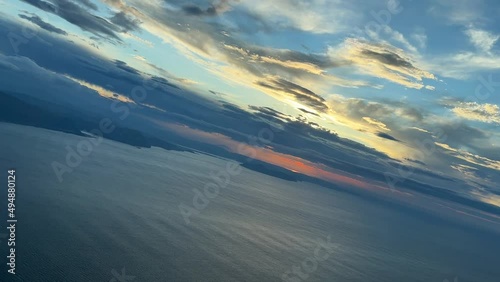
[(122, 213)]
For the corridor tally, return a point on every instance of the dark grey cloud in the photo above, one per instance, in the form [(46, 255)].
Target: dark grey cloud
[(298, 92), (212, 9), (415, 161), (89, 4), (79, 16), (458, 134), (163, 82), (193, 10), (43, 5), (123, 65), (125, 21), (270, 114), (42, 24), (413, 113), (308, 112), (406, 109), (388, 58), (387, 136), (26, 78), (217, 93)]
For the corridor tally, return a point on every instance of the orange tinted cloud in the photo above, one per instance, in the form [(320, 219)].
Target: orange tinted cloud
[(269, 156)]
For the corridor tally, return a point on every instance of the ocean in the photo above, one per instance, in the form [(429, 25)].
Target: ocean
[(116, 217)]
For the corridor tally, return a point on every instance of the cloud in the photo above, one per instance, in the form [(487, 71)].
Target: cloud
[(28, 79), (380, 124), (119, 77), (383, 61), (308, 112), (464, 65), (103, 92), (481, 39), (404, 110), (420, 129), (89, 4), (299, 137), (457, 133), (420, 38), (213, 9), (229, 56), (42, 24), (472, 158), (164, 73), (268, 61), (446, 146), (79, 16), (81, 96), (400, 38), (263, 61), (358, 113), (489, 113), (126, 22), (289, 89), (308, 67), (387, 35), (458, 11), (313, 16), (469, 15), (387, 136), (211, 43), (140, 58)]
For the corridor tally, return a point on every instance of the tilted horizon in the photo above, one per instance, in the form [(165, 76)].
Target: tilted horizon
[(351, 103)]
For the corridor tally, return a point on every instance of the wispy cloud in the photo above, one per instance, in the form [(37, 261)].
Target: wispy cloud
[(458, 11), (420, 38), (382, 61), (82, 17), (482, 39), (471, 158), (380, 124), (42, 24), (489, 113)]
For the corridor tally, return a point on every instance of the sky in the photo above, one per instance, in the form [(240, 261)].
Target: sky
[(359, 89)]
